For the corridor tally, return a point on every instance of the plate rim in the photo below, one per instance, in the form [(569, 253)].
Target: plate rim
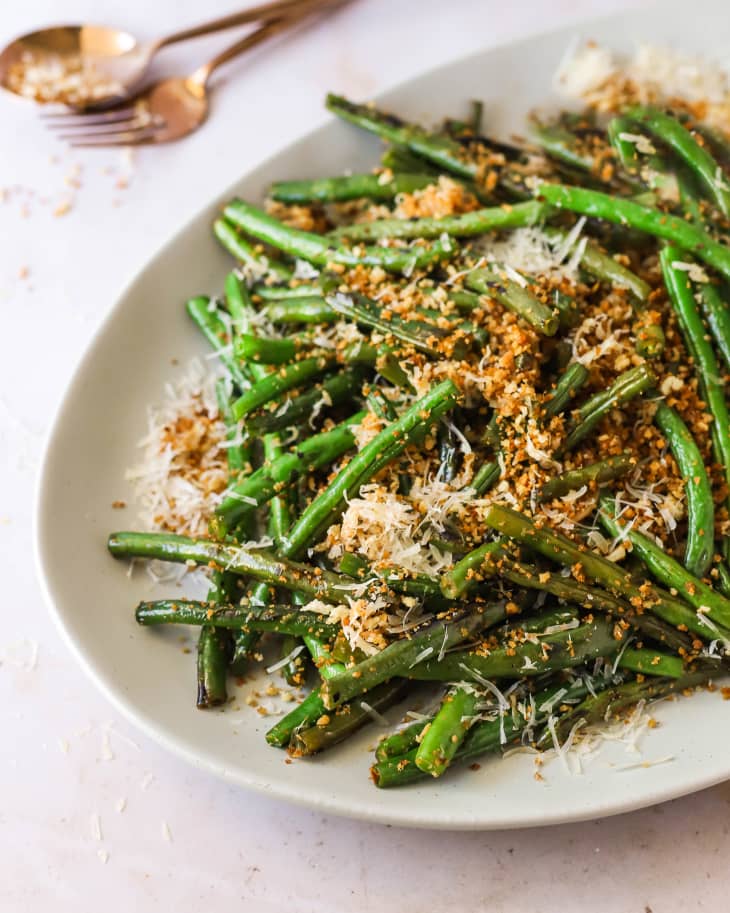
[(136, 715)]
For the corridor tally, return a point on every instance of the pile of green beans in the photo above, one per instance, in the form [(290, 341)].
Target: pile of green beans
[(346, 358)]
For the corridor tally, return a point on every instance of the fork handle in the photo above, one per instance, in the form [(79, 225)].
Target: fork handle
[(264, 11), (268, 30)]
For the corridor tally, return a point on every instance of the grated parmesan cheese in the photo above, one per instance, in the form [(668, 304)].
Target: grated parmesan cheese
[(584, 69), (393, 529), (654, 75), (529, 250), (183, 462), (374, 714), (643, 144), (695, 272)]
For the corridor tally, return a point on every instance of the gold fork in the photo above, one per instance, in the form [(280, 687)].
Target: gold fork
[(171, 108)]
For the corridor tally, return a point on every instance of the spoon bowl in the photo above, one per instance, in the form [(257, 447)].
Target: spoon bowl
[(75, 65), (176, 107)]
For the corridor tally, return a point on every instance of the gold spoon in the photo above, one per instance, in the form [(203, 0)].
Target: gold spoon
[(90, 66)]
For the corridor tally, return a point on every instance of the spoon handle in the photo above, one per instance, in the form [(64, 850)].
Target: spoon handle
[(268, 30), (264, 11)]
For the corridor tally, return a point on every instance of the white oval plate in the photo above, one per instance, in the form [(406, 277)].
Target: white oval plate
[(147, 676)]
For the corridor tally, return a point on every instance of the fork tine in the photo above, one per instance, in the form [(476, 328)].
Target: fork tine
[(72, 118), (122, 138), (79, 131)]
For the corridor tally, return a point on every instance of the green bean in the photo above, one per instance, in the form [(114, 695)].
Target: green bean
[(496, 282), (322, 657), (280, 504), (304, 714), (318, 250), (238, 302), (544, 623), (401, 159), (569, 383), (237, 453), (486, 476), (203, 312), (480, 337), (697, 487), (449, 450), (561, 144), (469, 129), (334, 389), (380, 451), (552, 545), (380, 405), (490, 436), (604, 267), (650, 338), (569, 315), (698, 159), (650, 662), (712, 137), (243, 251), (338, 655), (484, 736), (565, 588), (313, 453), (381, 358), (596, 709), (191, 612), (399, 658), (562, 650), (348, 187), (700, 348), (360, 309), (294, 669), (592, 598), (271, 350), (666, 570), (257, 563), (654, 172), (446, 732), (334, 727), (419, 585), (643, 218), (625, 148), (627, 386), (723, 583), (213, 653), (246, 643), (312, 707), (354, 565), (594, 474), (691, 202), (717, 313), (465, 302), (400, 741), (280, 293), (273, 385), (646, 198), (304, 309), (442, 151), (468, 572), (468, 224)]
